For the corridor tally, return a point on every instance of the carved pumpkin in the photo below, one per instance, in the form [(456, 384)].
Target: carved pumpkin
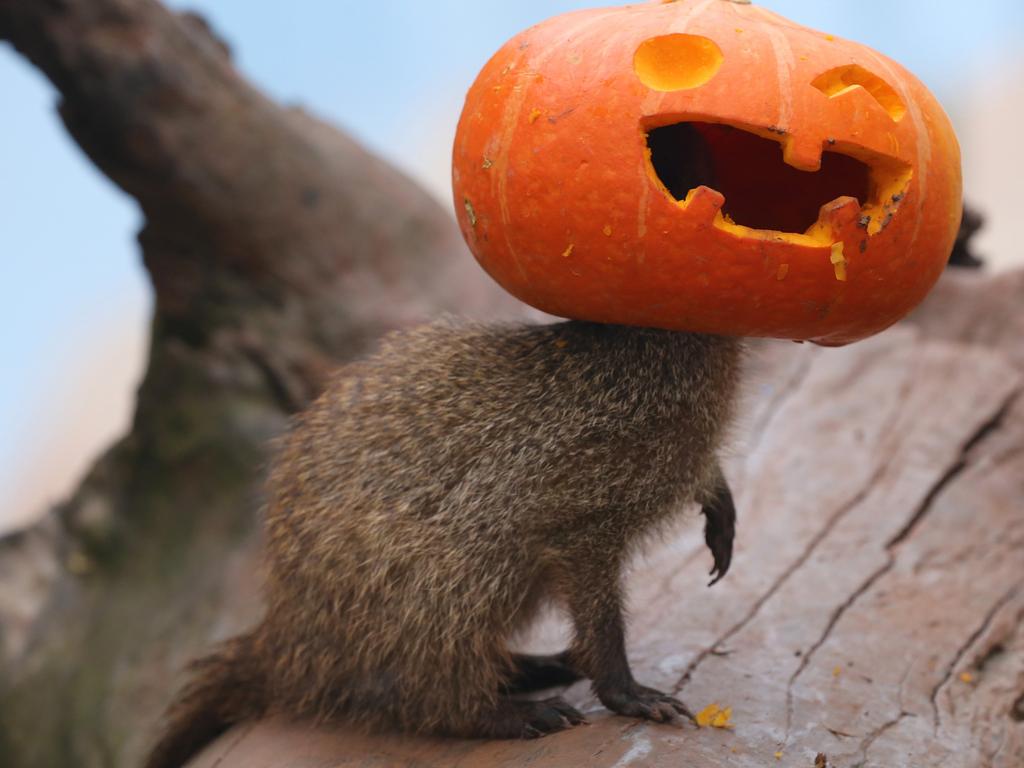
[(706, 165)]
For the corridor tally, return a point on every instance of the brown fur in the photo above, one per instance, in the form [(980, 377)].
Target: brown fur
[(422, 509)]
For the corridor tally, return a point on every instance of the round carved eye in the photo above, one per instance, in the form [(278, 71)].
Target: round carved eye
[(676, 62)]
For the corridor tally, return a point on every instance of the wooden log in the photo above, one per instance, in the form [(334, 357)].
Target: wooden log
[(875, 613)]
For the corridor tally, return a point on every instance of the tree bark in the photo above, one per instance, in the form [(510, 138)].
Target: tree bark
[(277, 248)]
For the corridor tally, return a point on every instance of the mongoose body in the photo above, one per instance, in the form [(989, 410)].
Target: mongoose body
[(436, 494)]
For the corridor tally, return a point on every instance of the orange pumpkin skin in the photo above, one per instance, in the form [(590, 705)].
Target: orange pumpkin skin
[(558, 195)]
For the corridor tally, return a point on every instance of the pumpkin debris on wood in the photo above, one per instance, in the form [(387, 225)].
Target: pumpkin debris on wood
[(714, 716), (716, 167)]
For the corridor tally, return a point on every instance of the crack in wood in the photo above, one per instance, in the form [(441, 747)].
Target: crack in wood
[(947, 477), (989, 617), (830, 524), (958, 466), (997, 420), (877, 733), (782, 579), (833, 620)]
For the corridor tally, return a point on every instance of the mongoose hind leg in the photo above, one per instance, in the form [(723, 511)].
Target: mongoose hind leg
[(537, 672), (599, 646), (526, 719)]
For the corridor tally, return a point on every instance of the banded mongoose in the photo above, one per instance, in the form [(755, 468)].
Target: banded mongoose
[(442, 490)]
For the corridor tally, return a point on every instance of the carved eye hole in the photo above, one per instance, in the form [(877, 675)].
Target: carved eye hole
[(841, 80), (676, 62)]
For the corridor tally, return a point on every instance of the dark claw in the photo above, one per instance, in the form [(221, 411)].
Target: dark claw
[(529, 719), (574, 717), (720, 573), (647, 703), (720, 530), (550, 716)]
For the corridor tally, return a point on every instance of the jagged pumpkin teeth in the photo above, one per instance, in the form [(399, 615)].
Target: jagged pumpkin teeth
[(687, 161), (703, 203)]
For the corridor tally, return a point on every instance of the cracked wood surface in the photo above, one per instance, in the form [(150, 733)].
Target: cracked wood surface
[(875, 612)]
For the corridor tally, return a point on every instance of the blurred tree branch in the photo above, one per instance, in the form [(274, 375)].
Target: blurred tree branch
[(276, 247)]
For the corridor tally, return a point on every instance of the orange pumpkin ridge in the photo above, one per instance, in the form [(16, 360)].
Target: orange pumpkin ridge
[(706, 166)]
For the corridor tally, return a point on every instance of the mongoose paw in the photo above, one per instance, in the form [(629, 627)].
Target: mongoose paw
[(539, 718), (548, 716), (720, 527), (719, 532), (640, 701)]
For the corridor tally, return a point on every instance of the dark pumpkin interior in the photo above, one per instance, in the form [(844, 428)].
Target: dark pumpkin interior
[(760, 189)]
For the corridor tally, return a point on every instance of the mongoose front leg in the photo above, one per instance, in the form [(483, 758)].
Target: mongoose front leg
[(599, 647), (720, 525)]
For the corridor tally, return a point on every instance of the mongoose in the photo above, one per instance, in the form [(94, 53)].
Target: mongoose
[(963, 252), (436, 494)]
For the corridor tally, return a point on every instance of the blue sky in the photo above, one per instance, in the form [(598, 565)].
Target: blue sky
[(392, 74)]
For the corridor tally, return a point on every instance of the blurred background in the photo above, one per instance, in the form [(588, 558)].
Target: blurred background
[(74, 299)]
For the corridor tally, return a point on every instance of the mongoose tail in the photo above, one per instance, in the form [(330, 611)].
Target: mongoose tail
[(225, 687)]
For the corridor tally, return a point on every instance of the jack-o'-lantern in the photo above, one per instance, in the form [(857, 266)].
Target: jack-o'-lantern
[(706, 165)]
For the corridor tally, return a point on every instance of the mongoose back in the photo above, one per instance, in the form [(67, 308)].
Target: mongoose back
[(440, 491)]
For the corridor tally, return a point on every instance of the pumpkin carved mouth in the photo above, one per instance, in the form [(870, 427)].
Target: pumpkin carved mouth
[(742, 180)]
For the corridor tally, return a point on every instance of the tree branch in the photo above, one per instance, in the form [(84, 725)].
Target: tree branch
[(233, 187), (277, 247)]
